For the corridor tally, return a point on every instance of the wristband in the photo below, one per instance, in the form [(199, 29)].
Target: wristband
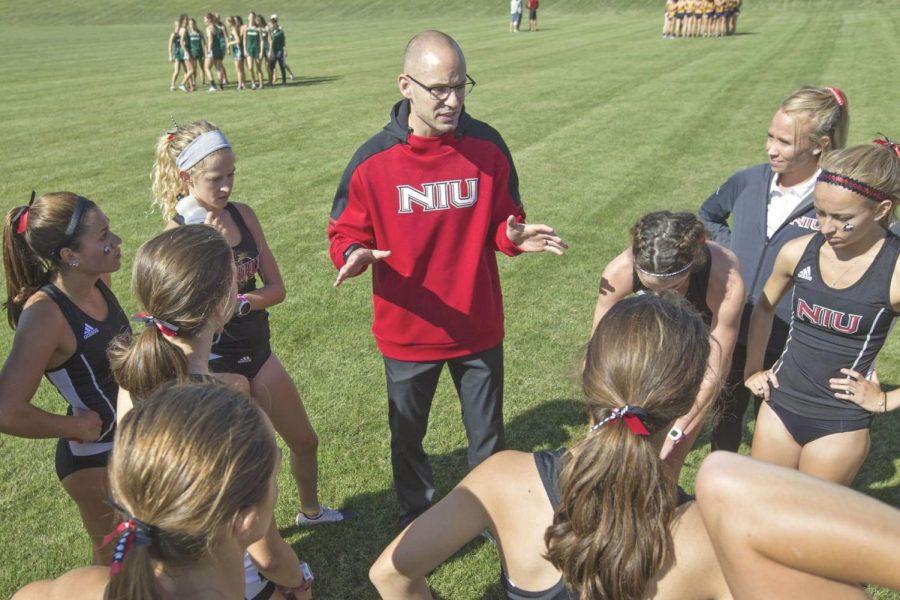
[(350, 250)]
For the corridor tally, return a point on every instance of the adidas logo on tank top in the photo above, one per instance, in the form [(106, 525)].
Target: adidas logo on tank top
[(89, 331), (805, 274)]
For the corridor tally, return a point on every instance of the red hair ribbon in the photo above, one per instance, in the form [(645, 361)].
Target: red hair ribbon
[(884, 141), (167, 329), (839, 96), (632, 416), (853, 185), (129, 533), (23, 222)]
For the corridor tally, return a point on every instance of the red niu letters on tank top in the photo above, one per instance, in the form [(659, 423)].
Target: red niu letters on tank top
[(828, 318), (438, 195), (246, 266)]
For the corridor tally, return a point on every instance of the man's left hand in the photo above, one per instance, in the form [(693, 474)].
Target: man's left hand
[(534, 238)]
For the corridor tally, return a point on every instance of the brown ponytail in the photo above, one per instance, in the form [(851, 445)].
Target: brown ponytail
[(30, 257), (610, 535), (665, 242), (187, 461), (184, 277)]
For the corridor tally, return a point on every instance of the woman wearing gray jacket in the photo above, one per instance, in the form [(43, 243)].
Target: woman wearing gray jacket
[(769, 205)]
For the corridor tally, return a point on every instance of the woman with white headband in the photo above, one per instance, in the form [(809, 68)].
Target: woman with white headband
[(192, 182), (669, 251)]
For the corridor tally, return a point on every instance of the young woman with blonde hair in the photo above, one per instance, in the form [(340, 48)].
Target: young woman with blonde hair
[(215, 52), (192, 181), (58, 253), (195, 55), (669, 252), (193, 478), (822, 392), (602, 519), (769, 205)]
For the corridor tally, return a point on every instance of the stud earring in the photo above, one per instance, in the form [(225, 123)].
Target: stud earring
[(74, 265)]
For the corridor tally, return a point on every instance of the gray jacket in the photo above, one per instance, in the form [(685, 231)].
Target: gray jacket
[(745, 198)]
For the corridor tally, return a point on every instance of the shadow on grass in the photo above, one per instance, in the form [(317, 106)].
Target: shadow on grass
[(340, 555)]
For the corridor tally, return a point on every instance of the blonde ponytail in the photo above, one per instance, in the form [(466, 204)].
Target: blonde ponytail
[(166, 184)]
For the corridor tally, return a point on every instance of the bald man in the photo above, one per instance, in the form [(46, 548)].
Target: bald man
[(428, 201)]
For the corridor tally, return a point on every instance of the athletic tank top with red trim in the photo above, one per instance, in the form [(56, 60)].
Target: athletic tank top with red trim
[(833, 329)]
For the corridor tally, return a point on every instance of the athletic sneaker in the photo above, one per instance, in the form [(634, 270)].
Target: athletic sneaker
[(172, 88), (182, 88), (212, 88), (292, 76), (326, 515)]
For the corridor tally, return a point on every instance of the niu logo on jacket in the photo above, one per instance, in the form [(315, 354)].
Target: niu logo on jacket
[(439, 195), (828, 318)]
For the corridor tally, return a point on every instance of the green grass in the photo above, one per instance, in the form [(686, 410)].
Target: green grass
[(605, 122)]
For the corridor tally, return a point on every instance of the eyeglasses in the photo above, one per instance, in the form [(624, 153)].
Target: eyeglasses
[(442, 92)]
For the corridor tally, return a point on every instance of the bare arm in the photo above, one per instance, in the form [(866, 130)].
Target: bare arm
[(615, 284), (726, 300), (399, 573), (272, 292), (36, 343), (780, 533), (779, 282), (275, 559)]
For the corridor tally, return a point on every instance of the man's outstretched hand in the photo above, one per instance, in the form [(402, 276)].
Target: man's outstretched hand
[(357, 262), (534, 238)]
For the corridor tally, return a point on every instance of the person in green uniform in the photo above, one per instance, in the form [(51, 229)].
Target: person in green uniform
[(236, 43), (276, 51), (194, 45), (222, 41), (214, 53), (264, 36), (176, 54), (253, 49)]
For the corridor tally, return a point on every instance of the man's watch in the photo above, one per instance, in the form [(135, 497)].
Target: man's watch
[(350, 250), (243, 306)]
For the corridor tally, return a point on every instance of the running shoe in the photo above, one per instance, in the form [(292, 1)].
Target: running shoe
[(326, 515), (182, 88)]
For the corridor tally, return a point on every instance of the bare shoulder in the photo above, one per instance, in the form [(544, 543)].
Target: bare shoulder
[(43, 310), (695, 571), (795, 247), (725, 273), (87, 583), (500, 469), (722, 258), (619, 272), (236, 381)]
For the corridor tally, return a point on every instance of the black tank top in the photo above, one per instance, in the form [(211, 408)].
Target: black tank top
[(85, 379), (833, 329), (697, 287), (549, 464)]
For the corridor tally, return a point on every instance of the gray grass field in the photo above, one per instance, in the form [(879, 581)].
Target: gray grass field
[(604, 119)]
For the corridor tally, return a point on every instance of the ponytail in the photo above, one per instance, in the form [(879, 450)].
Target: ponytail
[(33, 235), (166, 184), (136, 579), (610, 536), (829, 111), (141, 363), (25, 272)]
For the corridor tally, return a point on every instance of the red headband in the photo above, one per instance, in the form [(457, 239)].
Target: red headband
[(853, 185), (839, 96)]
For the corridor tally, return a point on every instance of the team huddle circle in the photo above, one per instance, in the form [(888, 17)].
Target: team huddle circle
[(776, 296)]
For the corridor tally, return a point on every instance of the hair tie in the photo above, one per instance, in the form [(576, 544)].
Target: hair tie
[(130, 533), (634, 417), (672, 274), (167, 329), (854, 185), (887, 143), (839, 96), (20, 219)]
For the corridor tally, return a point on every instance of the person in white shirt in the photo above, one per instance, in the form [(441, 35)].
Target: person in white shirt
[(515, 15)]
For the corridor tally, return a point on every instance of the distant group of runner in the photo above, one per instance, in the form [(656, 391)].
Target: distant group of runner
[(700, 18), (257, 46)]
